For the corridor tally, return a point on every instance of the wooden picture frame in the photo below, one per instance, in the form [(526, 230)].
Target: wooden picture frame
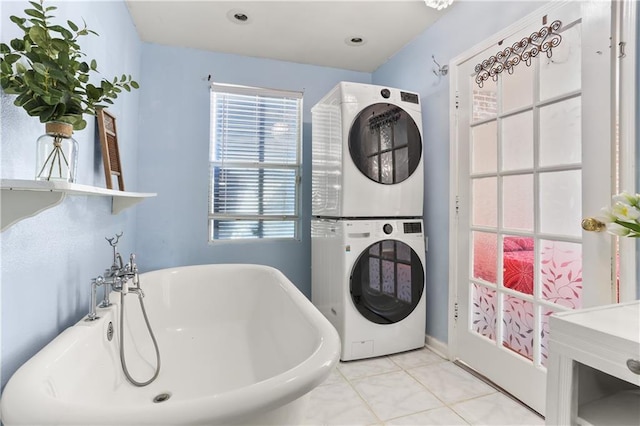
[(110, 152)]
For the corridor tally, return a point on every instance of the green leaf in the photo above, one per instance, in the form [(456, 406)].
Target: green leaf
[(5, 68), (4, 49), (135, 84), (46, 114), (38, 6), (93, 92), (11, 58), (39, 68), (18, 21), (123, 78), (58, 75), (62, 30), (126, 87), (73, 26), (80, 124), (633, 226), (50, 8), (35, 13), (59, 110), (22, 99), (94, 65), (21, 68), (17, 44), (38, 35), (62, 47)]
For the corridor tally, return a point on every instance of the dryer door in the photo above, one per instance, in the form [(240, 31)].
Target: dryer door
[(385, 143), (387, 282)]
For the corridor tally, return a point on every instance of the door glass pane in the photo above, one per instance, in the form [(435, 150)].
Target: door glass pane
[(561, 273), (485, 256), (386, 137), (387, 282), (484, 139), (374, 274), (517, 141), (561, 203), (517, 200), (484, 100), (517, 88), (386, 167), (561, 133), (518, 325), (485, 203), (385, 143), (561, 73), (404, 282), (517, 263), (402, 164), (484, 311)]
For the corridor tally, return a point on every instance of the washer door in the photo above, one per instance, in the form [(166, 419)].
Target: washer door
[(387, 282), (385, 143)]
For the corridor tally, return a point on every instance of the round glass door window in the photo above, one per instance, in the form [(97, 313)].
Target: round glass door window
[(385, 143), (387, 282)]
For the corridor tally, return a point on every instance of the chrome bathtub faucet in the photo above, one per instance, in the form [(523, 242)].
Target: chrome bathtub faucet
[(118, 275), (116, 278), (95, 283)]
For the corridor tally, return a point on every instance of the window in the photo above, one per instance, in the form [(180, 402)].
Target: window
[(254, 155)]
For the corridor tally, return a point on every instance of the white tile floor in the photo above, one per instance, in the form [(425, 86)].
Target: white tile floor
[(411, 388)]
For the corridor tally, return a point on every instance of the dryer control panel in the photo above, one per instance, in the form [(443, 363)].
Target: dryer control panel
[(409, 97), (412, 227)]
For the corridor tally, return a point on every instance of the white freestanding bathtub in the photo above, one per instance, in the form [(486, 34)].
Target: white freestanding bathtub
[(239, 344)]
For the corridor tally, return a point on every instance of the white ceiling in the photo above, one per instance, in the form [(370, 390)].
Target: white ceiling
[(304, 31)]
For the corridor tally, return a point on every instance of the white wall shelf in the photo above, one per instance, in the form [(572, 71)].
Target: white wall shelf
[(26, 198)]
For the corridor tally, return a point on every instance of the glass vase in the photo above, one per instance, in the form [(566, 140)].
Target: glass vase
[(57, 153)]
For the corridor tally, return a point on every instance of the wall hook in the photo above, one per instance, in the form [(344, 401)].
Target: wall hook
[(442, 69)]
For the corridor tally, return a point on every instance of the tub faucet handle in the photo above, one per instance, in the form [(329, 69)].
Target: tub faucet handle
[(116, 238)]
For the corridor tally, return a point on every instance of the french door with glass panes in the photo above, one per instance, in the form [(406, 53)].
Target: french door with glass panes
[(532, 155)]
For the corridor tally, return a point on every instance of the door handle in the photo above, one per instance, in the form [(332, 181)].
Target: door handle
[(592, 224)]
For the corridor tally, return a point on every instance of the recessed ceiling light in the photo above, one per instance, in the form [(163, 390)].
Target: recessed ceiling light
[(238, 16), (355, 41)]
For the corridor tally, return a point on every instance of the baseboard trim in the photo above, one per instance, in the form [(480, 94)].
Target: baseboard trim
[(437, 346)]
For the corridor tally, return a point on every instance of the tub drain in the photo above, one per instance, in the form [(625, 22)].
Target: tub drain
[(161, 397)]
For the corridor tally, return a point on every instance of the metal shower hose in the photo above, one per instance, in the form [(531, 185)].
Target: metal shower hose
[(153, 338)]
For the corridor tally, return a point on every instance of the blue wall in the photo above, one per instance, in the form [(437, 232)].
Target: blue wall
[(48, 260), (462, 27), (174, 157)]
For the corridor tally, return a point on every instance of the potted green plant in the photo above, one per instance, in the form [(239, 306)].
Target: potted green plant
[(52, 79)]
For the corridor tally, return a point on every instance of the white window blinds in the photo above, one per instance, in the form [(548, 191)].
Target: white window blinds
[(256, 139)]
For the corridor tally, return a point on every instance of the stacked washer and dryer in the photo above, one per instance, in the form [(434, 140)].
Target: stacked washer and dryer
[(367, 241)]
